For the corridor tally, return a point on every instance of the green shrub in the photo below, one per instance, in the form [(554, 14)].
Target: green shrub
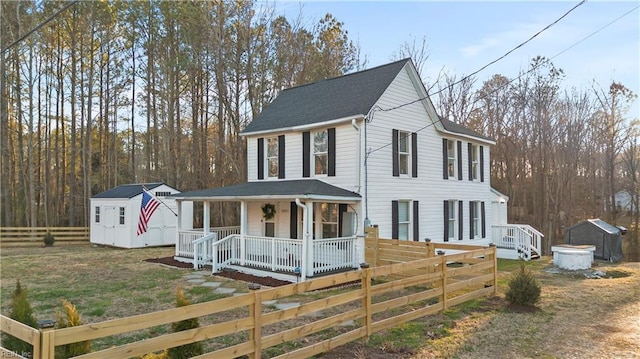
[(523, 288), (69, 317), (49, 239), (187, 350), (20, 311)]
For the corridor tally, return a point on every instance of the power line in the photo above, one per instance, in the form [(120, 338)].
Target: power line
[(53, 16), (494, 61), (533, 68)]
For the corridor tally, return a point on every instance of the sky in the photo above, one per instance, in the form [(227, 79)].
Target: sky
[(595, 42)]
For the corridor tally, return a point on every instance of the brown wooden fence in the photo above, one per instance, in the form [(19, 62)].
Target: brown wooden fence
[(366, 305), (34, 236)]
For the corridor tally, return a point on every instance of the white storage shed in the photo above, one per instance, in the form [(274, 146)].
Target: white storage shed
[(115, 214), (499, 202)]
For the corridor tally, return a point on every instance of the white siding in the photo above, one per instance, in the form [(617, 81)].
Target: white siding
[(429, 188), (161, 228)]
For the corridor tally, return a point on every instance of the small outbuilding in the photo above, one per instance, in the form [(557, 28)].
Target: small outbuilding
[(116, 215), (606, 238)]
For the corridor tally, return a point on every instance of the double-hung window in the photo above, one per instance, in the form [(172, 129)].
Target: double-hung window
[(97, 214), (475, 219), (404, 220), (320, 152), (452, 220), (329, 215), (452, 159), (474, 160), (404, 152), (122, 215), (272, 157)]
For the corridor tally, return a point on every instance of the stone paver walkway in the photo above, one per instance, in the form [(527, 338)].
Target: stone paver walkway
[(201, 278)]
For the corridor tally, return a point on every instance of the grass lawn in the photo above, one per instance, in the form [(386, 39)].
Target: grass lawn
[(578, 317)]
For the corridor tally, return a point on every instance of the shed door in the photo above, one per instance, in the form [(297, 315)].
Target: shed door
[(109, 224)]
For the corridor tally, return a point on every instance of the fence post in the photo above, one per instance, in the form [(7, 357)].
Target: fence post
[(495, 267), (443, 268), (375, 237), (255, 312), (47, 348), (431, 252), (366, 301)]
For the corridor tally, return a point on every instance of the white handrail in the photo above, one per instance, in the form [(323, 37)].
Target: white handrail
[(200, 252)]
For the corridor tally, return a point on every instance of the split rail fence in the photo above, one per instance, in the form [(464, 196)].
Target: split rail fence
[(361, 303), (34, 236)]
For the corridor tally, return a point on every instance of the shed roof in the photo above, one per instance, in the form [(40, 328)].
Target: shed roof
[(457, 128), (304, 189), (127, 190), (597, 222)]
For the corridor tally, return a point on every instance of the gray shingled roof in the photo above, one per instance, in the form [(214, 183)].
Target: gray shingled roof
[(349, 95), (126, 190), (456, 128), (308, 188)]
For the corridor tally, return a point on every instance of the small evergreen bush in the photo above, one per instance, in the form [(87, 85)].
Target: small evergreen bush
[(69, 317), (49, 239), (20, 311), (523, 288), (187, 350)]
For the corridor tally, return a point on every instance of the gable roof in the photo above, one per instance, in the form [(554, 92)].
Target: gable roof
[(304, 189), (336, 98), (127, 190)]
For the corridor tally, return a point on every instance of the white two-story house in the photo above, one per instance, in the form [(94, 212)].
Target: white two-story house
[(328, 158)]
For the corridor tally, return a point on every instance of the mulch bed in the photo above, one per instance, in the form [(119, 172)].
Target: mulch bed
[(265, 281)]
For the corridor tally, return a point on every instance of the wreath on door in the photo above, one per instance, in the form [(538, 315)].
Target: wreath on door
[(268, 210)]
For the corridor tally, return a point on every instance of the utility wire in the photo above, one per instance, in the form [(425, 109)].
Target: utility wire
[(53, 16), (533, 68), (494, 61)]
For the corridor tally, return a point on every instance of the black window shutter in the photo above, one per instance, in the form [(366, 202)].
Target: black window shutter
[(342, 207), (416, 219), (281, 153), (481, 164), (445, 159), (446, 220), (460, 160), (293, 221), (331, 155), (306, 154), (470, 160), (460, 224), (414, 155), (394, 219), (484, 226), (394, 146), (471, 214), (261, 158)]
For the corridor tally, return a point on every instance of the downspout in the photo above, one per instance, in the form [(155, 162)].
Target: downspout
[(305, 241), (354, 123)]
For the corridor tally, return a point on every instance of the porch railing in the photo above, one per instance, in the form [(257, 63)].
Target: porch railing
[(521, 237), (184, 242), (225, 252), (203, 250), (275, 254), (334, 254)]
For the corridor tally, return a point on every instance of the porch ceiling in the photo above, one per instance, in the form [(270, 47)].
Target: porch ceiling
[(309, 189)]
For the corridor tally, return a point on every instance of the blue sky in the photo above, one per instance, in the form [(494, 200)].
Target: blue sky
[(464, 36)]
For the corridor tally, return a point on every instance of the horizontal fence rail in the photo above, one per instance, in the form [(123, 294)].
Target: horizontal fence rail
[(34, 236), (369, 300)]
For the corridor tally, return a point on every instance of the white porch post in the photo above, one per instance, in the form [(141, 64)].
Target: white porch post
[(179, 205), (308, 261), (206, 218), (243, 231)]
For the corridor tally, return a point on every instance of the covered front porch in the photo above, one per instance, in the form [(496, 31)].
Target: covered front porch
[(290, 230)]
